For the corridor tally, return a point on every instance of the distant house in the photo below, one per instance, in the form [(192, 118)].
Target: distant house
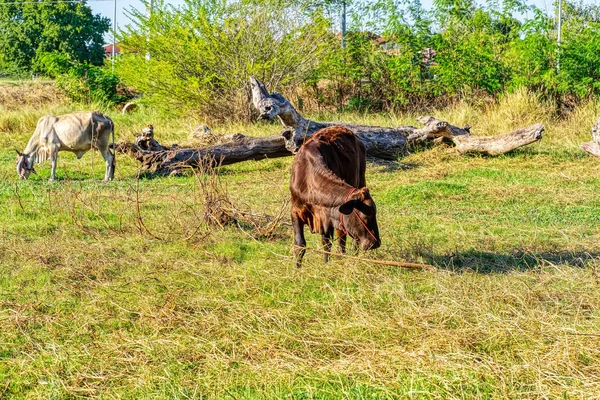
[(388, 45), (428, 56), (108, 50)]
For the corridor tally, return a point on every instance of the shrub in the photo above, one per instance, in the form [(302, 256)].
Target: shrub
[(82, 82), (202, 54)]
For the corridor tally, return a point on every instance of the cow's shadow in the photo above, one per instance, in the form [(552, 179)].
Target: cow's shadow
[(497, 262), (391, 165)]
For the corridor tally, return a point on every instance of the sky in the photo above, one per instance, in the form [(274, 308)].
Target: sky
[(106, 8)]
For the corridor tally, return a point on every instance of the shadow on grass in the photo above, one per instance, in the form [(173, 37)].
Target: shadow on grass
[(527, 152), (391, 166), (518, 260), (149, 175)]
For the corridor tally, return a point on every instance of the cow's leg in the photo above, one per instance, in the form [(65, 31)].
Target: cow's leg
[(326, 239), (299, 240), (341, 241), (110, 164), (53, 162)]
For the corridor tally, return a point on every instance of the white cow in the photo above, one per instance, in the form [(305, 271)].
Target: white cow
[(77, 132)]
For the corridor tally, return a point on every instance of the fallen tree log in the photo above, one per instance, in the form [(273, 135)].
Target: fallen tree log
[(161, 160), (158, 159), (467, 143), (384, 143), (496, 145), (380, 142), (593, 147)]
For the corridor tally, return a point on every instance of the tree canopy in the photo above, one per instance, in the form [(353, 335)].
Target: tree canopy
[(29, 30)]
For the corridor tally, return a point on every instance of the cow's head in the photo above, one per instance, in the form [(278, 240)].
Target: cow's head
[(359, 219), (24, 165)]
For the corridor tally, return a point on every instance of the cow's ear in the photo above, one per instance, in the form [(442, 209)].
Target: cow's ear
[(365, 209), (364, 193), (347, 207), (19, 153)]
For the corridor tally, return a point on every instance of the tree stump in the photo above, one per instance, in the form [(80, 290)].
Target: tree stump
[(593, 147)]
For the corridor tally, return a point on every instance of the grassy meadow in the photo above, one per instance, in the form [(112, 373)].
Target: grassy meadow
[(128, 289)]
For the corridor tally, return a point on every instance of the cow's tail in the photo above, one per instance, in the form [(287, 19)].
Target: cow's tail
[(114, 146)]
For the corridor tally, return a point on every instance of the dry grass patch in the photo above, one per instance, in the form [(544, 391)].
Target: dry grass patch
[(15, 95)]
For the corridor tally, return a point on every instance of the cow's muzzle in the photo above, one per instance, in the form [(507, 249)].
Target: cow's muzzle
[(369, 244)]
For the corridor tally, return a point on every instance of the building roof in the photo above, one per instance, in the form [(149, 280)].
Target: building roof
[(118, 49)]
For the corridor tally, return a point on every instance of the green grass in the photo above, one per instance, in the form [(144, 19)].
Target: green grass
[(92, 305)]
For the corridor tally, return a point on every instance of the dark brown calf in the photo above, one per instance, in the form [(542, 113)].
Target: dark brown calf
[(329, 194)]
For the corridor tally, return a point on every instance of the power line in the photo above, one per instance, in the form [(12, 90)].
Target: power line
[(53, 2)]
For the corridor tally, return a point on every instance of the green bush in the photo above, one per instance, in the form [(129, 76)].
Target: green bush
[(203, 53), (82, 82), (481, 50)]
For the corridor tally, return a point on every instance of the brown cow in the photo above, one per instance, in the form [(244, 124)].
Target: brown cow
[(328, 192)]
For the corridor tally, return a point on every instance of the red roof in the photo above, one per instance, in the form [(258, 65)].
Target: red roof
[(118, 50)]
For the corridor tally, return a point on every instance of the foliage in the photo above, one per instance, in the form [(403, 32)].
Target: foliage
[(202, 54), (397, 55), (479, 50), (82, 82), (30, 29), (569, 74)]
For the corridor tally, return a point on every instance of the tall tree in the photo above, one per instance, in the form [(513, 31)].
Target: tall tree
[(30, 29)]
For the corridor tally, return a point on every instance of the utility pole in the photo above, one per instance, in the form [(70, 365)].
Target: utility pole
[(343, 24), (114, 43), (149, 7), (559, 35)]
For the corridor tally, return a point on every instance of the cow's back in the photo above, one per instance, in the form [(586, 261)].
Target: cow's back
[(338, 150), (75, 130), (341, 151)]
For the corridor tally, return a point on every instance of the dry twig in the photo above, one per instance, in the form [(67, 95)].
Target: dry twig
[(19, 196)]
